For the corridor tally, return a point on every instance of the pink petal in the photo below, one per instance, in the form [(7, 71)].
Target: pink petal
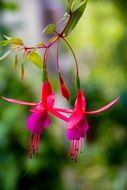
[(19, 102), (37, 122), (47, 120), (57, 114), (73, 134), (74, 120), (103, 108), (84, 125), (79, 131)]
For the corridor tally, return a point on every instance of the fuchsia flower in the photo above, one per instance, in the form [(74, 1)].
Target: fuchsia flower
[(39, 119), (77, 125)]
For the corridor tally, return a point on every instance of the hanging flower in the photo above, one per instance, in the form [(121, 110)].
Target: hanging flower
[(39, 118), (77, 125)]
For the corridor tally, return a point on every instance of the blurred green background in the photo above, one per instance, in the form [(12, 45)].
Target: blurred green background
[(100, 42)]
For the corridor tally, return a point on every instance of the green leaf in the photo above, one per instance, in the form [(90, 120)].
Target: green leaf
[(10, 6), (5, 55), (73, 5), (75, 16), (15, 62), (14, 41), (3, 43), (68, 9), (76, 4), (7, 37), (21, 72), (35, 58), (49, 29)]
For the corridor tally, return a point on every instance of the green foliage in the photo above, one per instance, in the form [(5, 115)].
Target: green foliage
[(77, 11), (5, 55), (74, 4), (15, 62), (10, 6), (12, 41), (35, 58), (77, 82), (21, 71), (51, 28)]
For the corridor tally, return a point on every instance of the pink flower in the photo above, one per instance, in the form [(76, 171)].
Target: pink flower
[(77, 125), (39, 120)]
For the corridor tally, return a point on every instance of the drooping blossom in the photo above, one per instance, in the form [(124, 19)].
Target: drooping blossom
[(77, 125), (39, 119)]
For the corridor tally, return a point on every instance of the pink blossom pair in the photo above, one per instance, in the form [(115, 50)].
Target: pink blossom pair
[(76, 122)]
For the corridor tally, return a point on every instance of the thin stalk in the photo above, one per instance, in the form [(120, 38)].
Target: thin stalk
[(57, 57), (44, 71), (76, 62)]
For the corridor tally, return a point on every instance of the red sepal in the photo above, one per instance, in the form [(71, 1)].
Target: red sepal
[(64, 89)]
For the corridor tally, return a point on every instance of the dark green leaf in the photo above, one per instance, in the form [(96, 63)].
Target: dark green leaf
[(76, 4), (75, 16), (68, 9), (73, 5), (11, 6)]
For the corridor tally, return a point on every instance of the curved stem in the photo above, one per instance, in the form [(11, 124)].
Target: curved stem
[(57, 57), (76, 62), (70, 16), (44, 72), (46, 55)]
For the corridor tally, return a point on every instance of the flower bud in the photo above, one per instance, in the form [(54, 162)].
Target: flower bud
[(64, 89)]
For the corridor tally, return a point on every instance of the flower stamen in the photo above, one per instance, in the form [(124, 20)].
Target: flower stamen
[(74, 148), (33, 144)]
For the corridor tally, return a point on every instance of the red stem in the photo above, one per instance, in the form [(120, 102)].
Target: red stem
[(57, 57)]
